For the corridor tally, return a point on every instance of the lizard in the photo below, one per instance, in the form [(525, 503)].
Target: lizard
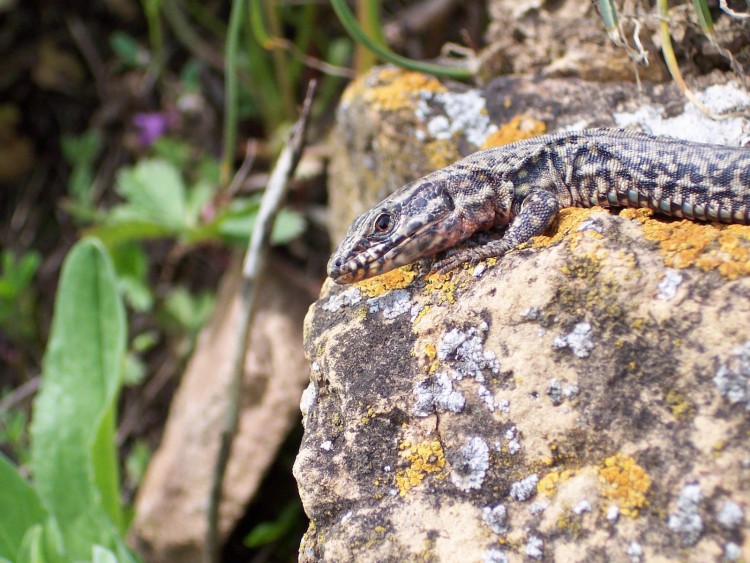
[(522, 186)]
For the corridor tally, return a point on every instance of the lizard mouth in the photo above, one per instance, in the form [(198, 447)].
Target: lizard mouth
[(377, 259), (400, 249)]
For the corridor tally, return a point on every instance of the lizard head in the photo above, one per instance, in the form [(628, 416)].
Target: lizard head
[(410, 224)]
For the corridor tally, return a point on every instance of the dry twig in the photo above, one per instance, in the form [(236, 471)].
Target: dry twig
[(252, 271)]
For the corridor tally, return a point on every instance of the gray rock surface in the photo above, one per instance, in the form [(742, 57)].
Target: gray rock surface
[(580, 399)]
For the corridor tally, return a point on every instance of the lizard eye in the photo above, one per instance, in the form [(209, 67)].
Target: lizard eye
[(383, 222)]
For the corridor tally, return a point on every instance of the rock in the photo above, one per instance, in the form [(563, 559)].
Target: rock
[(567, 39), (581, 398), (170, 522), (414, 402)]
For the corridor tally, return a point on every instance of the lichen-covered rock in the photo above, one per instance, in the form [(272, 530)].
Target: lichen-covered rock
[(584, 398)]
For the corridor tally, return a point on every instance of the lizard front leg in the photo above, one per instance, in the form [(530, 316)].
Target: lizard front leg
[(538, 211)]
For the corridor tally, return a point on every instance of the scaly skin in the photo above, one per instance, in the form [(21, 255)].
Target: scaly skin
[(525, 184)]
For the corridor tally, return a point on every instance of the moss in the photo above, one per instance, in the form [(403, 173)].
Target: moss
[(625, 483), (518, 128), (684, 244), (422, 458)]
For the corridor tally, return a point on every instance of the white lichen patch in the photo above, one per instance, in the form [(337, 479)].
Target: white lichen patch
[(730, 515), (581, 507), (309, 396), (392, 304), (486, 397), (692, 124), (496, 518), (351, 296), (613, 513), (579, 340), (436, 394), (479, 269), (733, 376), (525, 488), (732, 551), (669, 285), (494, 556), (469, 464), (635, 551), (538, 506), (464, 352), (462, 113), (686, 519), (535, 547)]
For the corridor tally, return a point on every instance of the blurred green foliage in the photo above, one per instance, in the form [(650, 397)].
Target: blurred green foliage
[(71, 510)]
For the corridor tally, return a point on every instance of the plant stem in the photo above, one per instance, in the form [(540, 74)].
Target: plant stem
[(230, 89), (352, 27)]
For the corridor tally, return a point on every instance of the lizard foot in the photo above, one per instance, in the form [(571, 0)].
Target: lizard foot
[(470, 256)]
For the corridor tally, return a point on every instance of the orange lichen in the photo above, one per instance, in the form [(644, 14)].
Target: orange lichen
[(567, 221), (625, 483), (395, 279), (725, 248), (392, 89), (520, 127), (443, 285), (430, 352), (423, 458)]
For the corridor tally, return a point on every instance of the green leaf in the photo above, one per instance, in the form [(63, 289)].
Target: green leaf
[(81, 152), (27, 509), (73, 451), (128, 50), (189, 312), (174, 151), (32, 548), (131, 264), (200, 194), (118, 230), (103, 555), (17, 273), (237, 225), (134, 370), (137, 462), (13, 434), (155, 192), (269, 532)]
